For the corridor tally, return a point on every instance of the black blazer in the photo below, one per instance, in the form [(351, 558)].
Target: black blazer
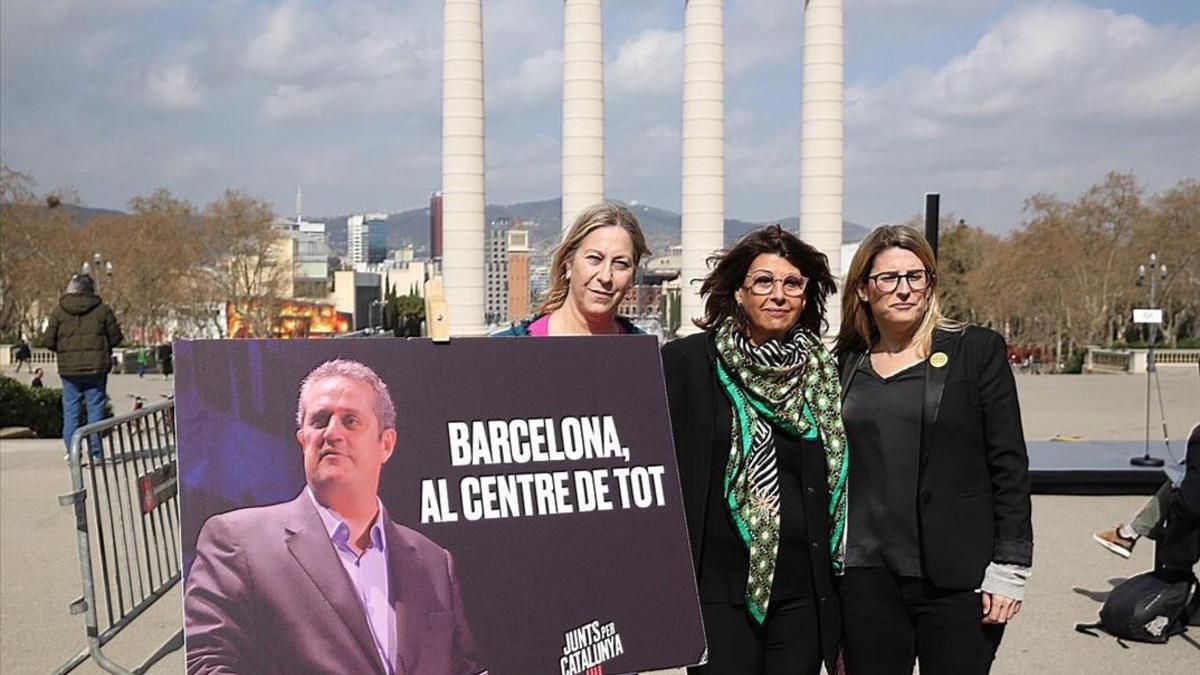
[(701, 418), (973, 486)]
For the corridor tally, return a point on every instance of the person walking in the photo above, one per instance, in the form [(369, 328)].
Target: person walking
[(83, 331), (166, 360), (143, 358), (24, 356)]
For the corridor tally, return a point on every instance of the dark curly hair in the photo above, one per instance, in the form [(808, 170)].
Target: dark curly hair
[(729, 270)]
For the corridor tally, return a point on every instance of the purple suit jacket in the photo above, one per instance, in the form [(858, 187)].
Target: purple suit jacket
[(267, 594)]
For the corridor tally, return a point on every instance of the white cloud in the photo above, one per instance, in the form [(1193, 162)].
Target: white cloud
[(1049, 91), (648, 63), (173, 88), (345, 40), (987, 100), (537, 82), (189, 163), (289, 101), (370, 56), (30, 14), (95, 48)]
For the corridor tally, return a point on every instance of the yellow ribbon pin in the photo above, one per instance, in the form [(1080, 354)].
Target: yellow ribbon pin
[(939, 359)]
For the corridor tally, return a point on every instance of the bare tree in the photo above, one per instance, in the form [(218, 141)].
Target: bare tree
[(246, 261), (1172, 230), (39, 250)]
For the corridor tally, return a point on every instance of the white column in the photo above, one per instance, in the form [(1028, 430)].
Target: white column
[(703, 149), (821, 139), (462, 165), (583, 107)]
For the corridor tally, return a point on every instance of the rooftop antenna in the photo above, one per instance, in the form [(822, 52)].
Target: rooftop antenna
[(299, 204)]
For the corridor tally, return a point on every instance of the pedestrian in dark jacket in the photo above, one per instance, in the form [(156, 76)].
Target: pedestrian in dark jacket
[(1179, 546), (166, 359), (83, 331), (24, 355)]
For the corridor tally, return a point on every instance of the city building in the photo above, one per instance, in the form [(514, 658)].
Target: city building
[(303, 251), (507, 273), (406, 277), (539, 281), (517, 245), (366, 238), (495, 281), (359, 295)]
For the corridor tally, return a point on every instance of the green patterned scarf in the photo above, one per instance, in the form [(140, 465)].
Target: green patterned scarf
[(792, 384)]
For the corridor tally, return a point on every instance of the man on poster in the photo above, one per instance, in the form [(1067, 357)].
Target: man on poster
[(327, 582)]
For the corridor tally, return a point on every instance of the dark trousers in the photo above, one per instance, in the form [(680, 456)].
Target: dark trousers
[(888, 620), (789, 641)]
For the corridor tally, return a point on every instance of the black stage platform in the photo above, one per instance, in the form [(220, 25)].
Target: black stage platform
[(1095, 467)]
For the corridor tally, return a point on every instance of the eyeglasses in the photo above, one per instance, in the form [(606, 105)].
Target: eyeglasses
[(888, 282), (764, 284)]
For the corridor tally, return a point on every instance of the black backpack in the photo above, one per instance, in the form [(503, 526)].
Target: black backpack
[(1149, 607)]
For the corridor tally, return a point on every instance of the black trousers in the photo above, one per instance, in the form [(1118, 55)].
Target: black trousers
[(888, 620), (788, 642)]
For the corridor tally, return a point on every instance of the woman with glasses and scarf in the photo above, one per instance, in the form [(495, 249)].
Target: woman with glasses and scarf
[(762, 458), (939, 539)]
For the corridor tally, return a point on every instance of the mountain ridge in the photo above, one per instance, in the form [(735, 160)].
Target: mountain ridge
[(411, 227), (661, 226)]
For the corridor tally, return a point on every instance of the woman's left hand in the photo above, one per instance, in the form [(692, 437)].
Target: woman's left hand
[(999, 608)]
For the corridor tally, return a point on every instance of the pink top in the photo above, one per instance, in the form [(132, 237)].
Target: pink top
[(541, 327)]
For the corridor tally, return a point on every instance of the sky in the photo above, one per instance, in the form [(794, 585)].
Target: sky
[(984, 101)]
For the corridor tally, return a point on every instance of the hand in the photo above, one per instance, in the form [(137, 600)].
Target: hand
[(999, 608)]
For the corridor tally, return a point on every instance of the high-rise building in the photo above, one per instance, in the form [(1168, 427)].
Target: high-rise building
[(366, 238), (517, 245), (506, 273), (495, 270), (435, 225)]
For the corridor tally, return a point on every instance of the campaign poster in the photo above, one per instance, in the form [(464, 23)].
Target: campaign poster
[(533, 523)]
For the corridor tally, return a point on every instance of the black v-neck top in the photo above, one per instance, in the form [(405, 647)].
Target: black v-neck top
[(883, 426)]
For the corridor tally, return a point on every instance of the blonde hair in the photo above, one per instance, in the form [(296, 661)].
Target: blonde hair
[(859, 331), (594, 217)]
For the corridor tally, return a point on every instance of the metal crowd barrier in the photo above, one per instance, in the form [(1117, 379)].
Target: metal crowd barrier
[(124, 493)]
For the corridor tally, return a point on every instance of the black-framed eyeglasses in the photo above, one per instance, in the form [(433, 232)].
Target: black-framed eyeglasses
[(888, 282), (764, 284)]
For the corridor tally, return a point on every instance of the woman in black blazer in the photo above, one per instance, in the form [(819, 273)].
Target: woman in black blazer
[(761, 453), (939, 539)]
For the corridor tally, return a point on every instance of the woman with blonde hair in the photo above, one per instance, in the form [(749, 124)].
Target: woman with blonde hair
[(939, 537), (591, 271)]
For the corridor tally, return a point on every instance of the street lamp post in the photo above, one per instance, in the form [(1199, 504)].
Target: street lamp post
[(1154, 272), (97, 265), (371, 314)]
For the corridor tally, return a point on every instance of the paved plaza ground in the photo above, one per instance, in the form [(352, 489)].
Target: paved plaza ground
[(39, 570)]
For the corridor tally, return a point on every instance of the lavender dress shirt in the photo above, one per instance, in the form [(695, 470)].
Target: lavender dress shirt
[(369, 575)]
